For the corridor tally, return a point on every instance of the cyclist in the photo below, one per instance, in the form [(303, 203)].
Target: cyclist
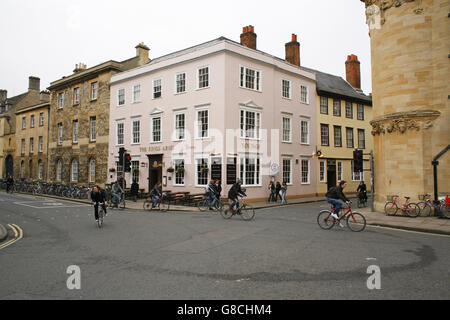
[(211, 191), (98, 196), (116, 194), (362, 191), (156, 194), (235, 192), (336, 197), (9, 183)]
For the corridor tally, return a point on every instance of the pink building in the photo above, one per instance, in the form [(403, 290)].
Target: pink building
[(220, 110)]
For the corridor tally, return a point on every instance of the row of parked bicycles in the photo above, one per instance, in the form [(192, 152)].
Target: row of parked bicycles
[(425, 208), (54, 189)]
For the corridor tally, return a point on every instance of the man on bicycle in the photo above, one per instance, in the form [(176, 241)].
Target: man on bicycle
[(98, 196), (337, 198), (211, 191), (156, 194), (362, 191), (116, 194), (234, 194)]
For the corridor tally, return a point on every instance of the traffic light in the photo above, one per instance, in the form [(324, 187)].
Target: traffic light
[(358, 161), (127, 167), (121, 153)]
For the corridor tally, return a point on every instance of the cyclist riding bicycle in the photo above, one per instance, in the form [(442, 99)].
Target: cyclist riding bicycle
[(337, 198), (235, 192), (211, 191), (116, 194), (362, 191), (98, 196), (156, 194)]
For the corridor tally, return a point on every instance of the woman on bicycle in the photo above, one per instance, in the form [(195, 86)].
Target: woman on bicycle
[(156, 194), (362, 191), (98, 196), (336, 197)]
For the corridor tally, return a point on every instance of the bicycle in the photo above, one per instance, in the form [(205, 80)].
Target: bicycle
[(246, 211), (163, 204), (118, 204), (391, 207), (101, 213), (355, 221), (204, 205)]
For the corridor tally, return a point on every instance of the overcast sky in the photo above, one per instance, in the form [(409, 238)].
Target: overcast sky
[(46, 38)]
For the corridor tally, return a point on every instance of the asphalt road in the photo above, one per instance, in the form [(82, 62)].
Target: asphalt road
[(281, 255)]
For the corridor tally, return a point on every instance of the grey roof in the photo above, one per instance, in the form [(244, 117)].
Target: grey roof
[(335, 86)]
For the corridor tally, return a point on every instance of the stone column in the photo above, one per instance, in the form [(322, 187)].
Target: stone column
[(410, 44)]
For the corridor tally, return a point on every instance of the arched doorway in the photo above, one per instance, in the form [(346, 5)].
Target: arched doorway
[(9, 165)]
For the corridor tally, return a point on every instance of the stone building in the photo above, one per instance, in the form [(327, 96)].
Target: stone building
[(79, 121), (32, 139), (410, 46), (343, 125), (8, 108)]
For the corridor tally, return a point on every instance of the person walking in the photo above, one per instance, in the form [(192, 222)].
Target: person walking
[(134, 190), (283, 193), (278, 191), (272, 192)]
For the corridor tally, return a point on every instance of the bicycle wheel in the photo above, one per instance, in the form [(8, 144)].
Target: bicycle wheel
[(100, 218), (412, 210), (325, 220), (122, 204), (164, 205), (203, 205), (356, 222), (218, 205), (226, 214), (390, 208), (148, 205), (425, 209), (247, 212)]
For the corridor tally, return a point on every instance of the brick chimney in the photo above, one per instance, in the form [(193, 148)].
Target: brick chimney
[(44, 96), (142, 52), (248, 37), (34, 83), (293, 51), (353, 71)]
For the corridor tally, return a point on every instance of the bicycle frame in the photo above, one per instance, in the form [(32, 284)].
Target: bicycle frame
[(349, 210)]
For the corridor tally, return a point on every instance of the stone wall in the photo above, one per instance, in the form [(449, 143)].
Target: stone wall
[(410, 72)]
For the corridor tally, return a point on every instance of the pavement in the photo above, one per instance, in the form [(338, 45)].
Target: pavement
[(419, 224)]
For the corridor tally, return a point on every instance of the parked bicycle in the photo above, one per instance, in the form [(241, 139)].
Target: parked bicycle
[(244, 210), (391, 208), (355, 221), (163, 204)]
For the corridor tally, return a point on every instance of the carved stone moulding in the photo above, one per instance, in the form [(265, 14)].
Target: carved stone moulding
[(403, 121), (375, 9)]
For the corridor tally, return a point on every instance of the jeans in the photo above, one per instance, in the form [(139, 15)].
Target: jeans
[(116, 198), (283, 197), (234, 203), (337, 204), (96, 209), (155, 201)]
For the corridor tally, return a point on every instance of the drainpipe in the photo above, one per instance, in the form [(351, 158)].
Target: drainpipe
[(435, 163)]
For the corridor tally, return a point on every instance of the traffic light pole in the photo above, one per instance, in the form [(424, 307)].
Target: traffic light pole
[(372, 179)]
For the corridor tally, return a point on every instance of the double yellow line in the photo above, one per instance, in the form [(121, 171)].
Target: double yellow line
[(18, 234)]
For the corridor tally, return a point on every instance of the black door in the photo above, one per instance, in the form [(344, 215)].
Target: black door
[(155, 170), (331, 173), (9, 165)]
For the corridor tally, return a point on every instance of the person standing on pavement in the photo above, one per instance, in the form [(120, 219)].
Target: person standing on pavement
[(278, 191), (134, 190), (283, 193), (9, 183), (272, 192)]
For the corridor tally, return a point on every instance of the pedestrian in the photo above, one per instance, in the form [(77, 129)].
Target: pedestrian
[(271, 191), (283, 193), (134, 190), (278, 191), (9, 183)]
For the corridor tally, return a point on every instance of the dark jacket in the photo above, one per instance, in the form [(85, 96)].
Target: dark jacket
[(235, 191), (134, 188), (337, 193), (362, 188), (100, 196), (10, 180), (156, 191)]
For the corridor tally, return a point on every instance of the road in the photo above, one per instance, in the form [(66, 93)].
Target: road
[(282, 254)]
